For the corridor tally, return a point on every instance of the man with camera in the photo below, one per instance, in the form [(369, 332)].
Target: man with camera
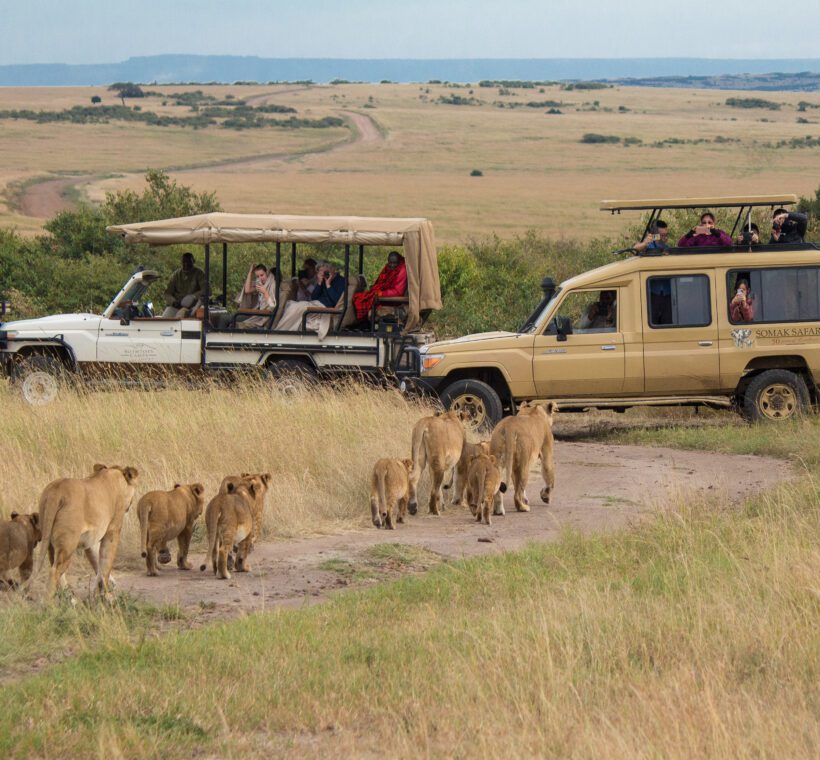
[(788, 226), (656, 240)]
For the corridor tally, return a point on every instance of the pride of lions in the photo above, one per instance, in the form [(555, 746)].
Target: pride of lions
[(88, 512)]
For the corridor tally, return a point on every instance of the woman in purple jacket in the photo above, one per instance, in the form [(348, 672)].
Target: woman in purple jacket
[(705, 234)]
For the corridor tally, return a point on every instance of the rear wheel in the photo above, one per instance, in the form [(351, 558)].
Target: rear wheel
[(478, 403), (775, 395), (291, 372), (39, 378)]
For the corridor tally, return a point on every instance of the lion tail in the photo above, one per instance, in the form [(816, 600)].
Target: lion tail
[(419, 454), (510, 437), (380, 478), (211, 522), (144, 512), (48, 508)]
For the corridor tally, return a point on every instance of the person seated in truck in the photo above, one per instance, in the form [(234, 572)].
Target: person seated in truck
[(742, 305), (306, 280), (749, 235), (601, 315), (185, 289), (656, 240), (391, 283), (788, 227), (258, 293), (705, 234), (329, 290)]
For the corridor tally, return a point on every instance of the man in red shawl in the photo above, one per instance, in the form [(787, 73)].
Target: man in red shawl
[(391, 283)]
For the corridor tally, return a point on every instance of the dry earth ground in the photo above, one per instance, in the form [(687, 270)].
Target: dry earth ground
[(599, 487), (536, 172)]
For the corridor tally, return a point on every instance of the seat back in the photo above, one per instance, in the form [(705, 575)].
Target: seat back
[(287, 292), (349, 317)]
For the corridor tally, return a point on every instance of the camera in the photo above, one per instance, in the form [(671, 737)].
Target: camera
[(748, 235)]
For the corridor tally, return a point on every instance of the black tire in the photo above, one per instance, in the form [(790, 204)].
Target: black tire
[(775, 395), (40, 378), (477, 400)]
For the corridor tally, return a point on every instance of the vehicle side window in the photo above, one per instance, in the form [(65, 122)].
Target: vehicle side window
[(774, 294), (678, 301), (589, 311)]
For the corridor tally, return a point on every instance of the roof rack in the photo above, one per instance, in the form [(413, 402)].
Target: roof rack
[(713, 249), (744, 204)]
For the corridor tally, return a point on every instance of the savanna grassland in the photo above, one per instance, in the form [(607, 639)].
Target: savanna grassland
[(420, 149)]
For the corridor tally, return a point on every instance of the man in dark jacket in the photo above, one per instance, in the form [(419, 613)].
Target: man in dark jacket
[(788, 227), (185, 288)]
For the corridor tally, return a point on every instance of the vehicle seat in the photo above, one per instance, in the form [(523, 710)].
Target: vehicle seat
[(287, 292), (355, 285)]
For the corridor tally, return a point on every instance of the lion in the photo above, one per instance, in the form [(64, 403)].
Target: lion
[(168, 515), (516, 442), (483, 483), (88, 513), (229, 520), (18, 537), (389, 490), (238, 557), (437, 442), (469, 451)]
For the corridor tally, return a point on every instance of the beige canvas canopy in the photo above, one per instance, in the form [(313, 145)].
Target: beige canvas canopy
[(784, 199), (414, 235)]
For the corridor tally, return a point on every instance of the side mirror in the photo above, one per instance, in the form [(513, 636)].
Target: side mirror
[(563, 327)]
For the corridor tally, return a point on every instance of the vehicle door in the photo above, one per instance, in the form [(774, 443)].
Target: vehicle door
[(680, 332), (589, 359), (140, 341)]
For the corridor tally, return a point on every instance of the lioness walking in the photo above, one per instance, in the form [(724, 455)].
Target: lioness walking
[(389, 491), (516, 442), (437, 442)]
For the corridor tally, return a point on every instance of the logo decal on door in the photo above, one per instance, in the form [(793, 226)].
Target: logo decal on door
[(742, 338)]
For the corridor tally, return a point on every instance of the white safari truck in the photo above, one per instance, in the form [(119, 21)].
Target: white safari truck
[(129, 339)]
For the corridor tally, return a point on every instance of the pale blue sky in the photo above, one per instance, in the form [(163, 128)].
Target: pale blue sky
[(105, 31)]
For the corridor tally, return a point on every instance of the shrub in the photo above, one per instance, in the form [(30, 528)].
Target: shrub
[(476, 173), (752, 103), (593, 137), (96, 99)]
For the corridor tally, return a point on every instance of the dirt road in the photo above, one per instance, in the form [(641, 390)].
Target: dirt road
[(42, 200), (599, 487)]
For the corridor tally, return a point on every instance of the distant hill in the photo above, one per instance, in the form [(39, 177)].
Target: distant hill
[(804, 81), (165, 69)]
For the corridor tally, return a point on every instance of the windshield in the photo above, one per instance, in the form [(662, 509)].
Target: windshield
[(532, 320)]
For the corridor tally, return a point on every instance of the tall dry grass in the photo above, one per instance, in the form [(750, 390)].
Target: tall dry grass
[(318, 442)]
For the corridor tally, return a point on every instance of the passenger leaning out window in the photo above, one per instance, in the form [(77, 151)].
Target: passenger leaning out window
[(788, 227), (705, 234)]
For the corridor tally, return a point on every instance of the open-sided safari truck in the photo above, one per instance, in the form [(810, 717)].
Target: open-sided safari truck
[(656, 328), (128, 335)]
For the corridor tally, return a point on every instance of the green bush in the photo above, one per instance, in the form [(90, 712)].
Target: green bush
[(594, 137)]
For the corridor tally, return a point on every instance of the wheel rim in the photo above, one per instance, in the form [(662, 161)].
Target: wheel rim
[(39, 388), (471, 408), (778, 401)]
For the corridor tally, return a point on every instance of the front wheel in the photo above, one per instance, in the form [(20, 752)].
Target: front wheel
[(478, 403), (39, 378), (775, 395)]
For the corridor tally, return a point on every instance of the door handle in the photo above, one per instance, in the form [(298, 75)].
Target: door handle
[(167, 333), (607, 348), (704, 342)]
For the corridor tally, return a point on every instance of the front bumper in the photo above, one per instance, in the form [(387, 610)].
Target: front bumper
[(416, 385)]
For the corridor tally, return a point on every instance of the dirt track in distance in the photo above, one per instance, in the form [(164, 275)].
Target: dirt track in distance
[(42, 200), (600, 487)]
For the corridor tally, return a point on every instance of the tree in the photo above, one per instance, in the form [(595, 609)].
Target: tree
[(127, 90), (96, 99)]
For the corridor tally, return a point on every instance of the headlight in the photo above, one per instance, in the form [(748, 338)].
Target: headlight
[(428, 361)]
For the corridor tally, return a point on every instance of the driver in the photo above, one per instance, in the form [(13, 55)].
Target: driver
[(601, 313), (185, 289)]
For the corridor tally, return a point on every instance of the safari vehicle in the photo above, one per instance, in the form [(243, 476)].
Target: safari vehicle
[(669, 336), (129, 336)]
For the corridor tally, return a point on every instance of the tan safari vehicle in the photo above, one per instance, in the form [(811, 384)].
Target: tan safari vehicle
[(654, 329)]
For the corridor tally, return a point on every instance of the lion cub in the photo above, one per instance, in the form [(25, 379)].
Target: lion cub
[(390, 490), (18, 537), (229, 519), (168, 515), (483, 483), (261, 481), (469, 451)]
